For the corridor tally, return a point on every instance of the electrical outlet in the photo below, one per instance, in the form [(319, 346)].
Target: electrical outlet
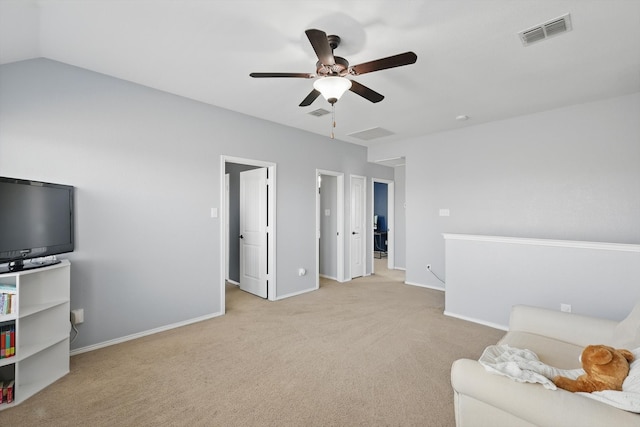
[(566, 308), (77, 316), (428, 266)]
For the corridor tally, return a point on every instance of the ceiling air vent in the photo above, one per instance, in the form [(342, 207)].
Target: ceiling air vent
[(548, 29), (369, 134), (319, 112)]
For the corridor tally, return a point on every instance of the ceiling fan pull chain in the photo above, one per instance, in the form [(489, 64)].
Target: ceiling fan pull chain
[(333, 119)]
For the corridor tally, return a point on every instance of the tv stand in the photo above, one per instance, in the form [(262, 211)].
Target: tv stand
[(40, 319), (21, 265)]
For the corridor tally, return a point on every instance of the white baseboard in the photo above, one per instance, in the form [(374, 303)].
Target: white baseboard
[(478, 321), (324, 276), (420, 285), (293, 294), (233, 282), (142, 334)]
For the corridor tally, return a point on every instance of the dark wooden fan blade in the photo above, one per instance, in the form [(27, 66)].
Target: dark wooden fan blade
[(365, 92), (384, 63), (321, 46), (296, 75), (310, 98)]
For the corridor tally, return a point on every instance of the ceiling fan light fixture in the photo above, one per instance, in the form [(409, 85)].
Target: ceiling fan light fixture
[(332, 87)]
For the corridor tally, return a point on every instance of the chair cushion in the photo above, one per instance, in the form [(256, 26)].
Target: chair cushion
[(553, 352)]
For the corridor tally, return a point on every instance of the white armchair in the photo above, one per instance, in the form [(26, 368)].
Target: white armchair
[(485, 399)]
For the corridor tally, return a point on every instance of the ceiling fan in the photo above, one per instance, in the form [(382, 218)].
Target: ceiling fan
[(331, 70)]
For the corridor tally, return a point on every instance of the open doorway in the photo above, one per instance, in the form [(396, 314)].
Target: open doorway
[(247, 226), (383, 218), (357, 223), (329, 226), (233, 173)]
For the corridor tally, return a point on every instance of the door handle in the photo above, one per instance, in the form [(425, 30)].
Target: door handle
[(241, 236), (353, 232)]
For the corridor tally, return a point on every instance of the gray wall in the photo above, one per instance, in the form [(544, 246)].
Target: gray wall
[(569, 174), (146, 165), (594, 279)]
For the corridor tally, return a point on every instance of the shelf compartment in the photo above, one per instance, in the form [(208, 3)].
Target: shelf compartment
[(42, 369), (42, 286), (39, 330), (31, 309), (5, 329), (29, 350), (8, 373), (5, 290)]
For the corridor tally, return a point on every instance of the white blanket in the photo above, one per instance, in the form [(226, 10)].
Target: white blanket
[(524, 366)]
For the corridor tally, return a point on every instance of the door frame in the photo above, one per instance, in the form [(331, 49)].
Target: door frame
[(365, 236), (339, 220), (271, 228), (390, 222), (226, 227)]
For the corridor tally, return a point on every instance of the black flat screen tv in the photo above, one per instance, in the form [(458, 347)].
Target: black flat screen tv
[(36, 221)]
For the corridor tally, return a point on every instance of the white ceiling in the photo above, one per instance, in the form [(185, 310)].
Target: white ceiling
[(470, 59)]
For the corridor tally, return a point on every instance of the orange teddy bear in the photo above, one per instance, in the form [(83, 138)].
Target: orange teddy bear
[(605, 369)]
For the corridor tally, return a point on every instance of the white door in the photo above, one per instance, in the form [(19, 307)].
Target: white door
[(358, 197), (253, 231), (226, 227)]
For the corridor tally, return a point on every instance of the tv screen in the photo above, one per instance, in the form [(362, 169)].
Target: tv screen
[(36, 220)]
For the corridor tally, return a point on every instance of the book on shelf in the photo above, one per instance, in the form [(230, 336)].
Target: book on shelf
[(7, 341), (6, 391), (7, 303)]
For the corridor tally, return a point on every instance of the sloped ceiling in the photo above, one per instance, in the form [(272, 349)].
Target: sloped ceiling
[(470, 58)]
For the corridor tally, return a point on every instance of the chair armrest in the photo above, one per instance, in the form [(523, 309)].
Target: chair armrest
[(568, 327), (532, 402)]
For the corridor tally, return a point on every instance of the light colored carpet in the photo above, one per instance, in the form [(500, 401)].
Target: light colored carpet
[(369, 352)]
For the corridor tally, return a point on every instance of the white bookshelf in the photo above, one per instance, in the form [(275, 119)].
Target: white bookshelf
[(41, 329)]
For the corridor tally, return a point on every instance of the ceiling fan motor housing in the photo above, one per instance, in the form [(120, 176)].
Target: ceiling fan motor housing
[(340, 68)]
